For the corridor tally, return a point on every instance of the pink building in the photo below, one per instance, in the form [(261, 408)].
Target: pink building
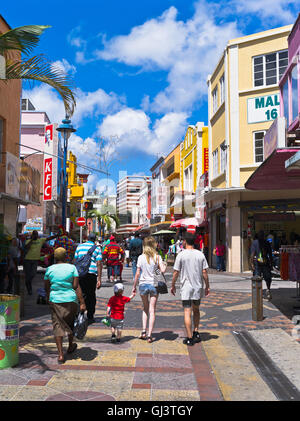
[(290, 87), (47, 217)]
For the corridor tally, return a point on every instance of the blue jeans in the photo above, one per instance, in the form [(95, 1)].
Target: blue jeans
[(220, 263), (146, 289), (134, 262)]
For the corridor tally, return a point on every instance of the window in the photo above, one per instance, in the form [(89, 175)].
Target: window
[(294, 76), (215, 157), (285, 96), (215, 100), (188, 179), (1, 138), (223, 153), (259, 146), (268, 69), (222, 89)]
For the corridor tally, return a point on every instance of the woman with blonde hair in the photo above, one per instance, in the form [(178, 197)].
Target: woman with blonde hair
[(147, 263)]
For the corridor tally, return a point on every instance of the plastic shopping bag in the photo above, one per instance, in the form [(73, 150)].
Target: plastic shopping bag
[(80, 326)]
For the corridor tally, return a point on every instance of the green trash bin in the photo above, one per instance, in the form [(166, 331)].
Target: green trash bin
[(9, 330)]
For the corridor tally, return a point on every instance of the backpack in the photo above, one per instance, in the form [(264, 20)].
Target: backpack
[(83, 263)]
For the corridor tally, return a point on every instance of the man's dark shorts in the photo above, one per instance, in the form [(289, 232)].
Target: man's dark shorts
[(189, 303)]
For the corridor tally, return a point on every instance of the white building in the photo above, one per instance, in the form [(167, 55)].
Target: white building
[(128, 201)]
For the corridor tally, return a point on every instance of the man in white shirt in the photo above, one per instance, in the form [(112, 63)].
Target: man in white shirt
[(192, 266)]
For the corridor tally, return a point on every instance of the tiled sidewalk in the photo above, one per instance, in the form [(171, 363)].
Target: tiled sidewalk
[(166, 370)]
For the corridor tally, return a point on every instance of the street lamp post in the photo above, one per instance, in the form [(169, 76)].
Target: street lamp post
[(66, 129)]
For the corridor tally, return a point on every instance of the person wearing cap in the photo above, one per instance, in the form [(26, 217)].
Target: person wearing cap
[(92, 279), (63, 294), (114, 255), (115, 310)]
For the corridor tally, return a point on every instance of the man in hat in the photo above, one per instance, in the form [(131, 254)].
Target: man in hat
[(114, 255), (92, 279)]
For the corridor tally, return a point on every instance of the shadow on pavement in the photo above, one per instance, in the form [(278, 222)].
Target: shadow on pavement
[(286, 301), (167, 336), (206, 336)]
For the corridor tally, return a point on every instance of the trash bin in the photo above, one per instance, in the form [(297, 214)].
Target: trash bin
[(9, 330), (257, 299)]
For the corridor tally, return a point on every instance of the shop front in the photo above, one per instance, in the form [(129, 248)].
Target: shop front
[(279, 219)]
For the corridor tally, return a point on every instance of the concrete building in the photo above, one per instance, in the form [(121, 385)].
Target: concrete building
[(19, 182), (128, 196), (243, 102), (47, 217)]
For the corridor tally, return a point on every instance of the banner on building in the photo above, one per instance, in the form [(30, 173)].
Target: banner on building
[(51, 163), (263, 108)]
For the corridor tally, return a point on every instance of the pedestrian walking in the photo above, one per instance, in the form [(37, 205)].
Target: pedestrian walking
[(148, 262), (135, 250), (32, 257), (91, 280), (13, 286), (192, 267), (219, 251), (261, 261), (115, 310), (114, 257), (67, 243), (63, 294)]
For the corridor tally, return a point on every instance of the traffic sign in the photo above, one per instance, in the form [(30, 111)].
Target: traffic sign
[(80, 221)]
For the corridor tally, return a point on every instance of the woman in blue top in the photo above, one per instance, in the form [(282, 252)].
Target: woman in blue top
[(63, 293)]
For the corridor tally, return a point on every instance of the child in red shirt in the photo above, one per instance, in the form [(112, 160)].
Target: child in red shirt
[(115, 310)]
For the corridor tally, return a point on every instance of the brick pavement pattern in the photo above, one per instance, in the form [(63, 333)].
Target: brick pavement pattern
[(134, 370)]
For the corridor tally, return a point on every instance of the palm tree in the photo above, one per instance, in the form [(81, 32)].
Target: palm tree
[(104, 217), (37, 68)]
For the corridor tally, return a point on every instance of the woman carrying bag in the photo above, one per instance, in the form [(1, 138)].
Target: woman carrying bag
[(148, 265), (63, 294)]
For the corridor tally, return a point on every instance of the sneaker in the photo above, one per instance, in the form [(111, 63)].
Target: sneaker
[(113, 338), (188, 341), (268, 295), (118, 340), (196, 336)]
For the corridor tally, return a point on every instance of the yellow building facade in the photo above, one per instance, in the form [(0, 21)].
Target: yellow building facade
[(193, 157), (243, 102)]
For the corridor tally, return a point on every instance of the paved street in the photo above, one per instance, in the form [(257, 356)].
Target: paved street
[(237, 359)]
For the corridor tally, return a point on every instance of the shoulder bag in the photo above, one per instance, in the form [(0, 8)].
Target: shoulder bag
[(160, 280)]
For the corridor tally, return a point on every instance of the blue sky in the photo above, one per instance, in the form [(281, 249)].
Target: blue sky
[(139, 67)]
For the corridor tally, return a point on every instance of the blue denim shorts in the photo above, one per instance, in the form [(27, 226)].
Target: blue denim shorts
[(148, 289)]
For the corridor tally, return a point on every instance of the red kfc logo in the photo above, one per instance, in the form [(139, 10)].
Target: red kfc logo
[(48, 179), (48, 134)]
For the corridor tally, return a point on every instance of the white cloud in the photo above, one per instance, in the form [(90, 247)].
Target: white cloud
[(187, 50), (64, 66), (89, 104), (276, 11), (134, 132)]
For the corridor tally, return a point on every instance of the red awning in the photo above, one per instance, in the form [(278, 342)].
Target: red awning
[(272, 175)]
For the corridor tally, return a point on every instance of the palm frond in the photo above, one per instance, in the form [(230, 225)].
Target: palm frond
[(23, 38), (39, 69)]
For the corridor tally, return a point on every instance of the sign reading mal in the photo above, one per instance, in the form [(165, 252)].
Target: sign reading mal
[(263, 108)]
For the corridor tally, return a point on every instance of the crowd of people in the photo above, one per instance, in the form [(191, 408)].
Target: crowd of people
[(75, 272)]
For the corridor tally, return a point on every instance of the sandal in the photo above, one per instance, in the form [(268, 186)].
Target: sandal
[(70, 350), (143, 335), (149, 339), (61, 360)]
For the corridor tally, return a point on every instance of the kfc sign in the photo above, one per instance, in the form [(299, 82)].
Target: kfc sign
[(48, 173)]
